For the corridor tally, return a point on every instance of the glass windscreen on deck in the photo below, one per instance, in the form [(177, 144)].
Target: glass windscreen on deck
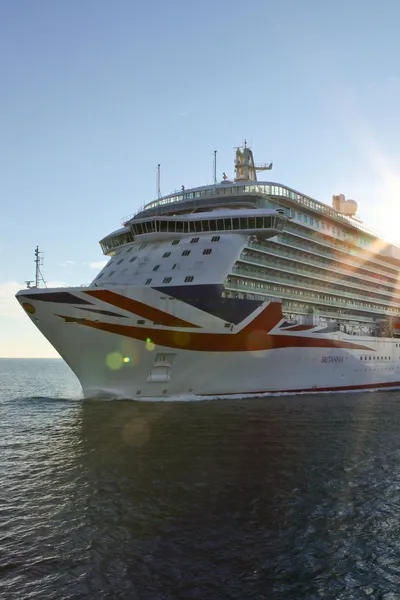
[(206, 225)]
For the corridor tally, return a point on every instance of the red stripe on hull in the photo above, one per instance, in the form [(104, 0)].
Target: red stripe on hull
[(315, 390), (253, 337), (140, 309)]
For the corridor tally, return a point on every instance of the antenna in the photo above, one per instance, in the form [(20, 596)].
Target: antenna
[(158, 181), (215, 167), (38, 273)]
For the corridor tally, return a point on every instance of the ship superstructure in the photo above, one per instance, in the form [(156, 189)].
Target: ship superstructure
[(238, 287)]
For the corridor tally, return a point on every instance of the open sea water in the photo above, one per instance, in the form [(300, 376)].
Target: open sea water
[(291, 497)]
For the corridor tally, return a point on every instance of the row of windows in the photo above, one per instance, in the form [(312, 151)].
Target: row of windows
[(308, 257), (305, 277), (342, 245), (188, 279), (323, 226), (116, 241), (295, 260), (295, 308), (206, 251), (295, 241), (341, 289), (206, 225), (374, 357), (289, 291), (120, 240)]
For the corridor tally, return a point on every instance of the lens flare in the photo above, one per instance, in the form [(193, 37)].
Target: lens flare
[(149, 345), (114, 361)]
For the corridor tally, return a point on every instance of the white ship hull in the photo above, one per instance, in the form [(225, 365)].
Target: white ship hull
[(136, 343)]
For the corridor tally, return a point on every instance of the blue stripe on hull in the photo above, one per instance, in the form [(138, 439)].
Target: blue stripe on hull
[(209, 299)]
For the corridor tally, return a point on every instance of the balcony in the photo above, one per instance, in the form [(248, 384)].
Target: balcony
[(302, 272), (281, 240), (310, 298)]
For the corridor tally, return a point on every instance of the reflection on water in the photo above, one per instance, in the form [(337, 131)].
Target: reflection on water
[(291, 497)]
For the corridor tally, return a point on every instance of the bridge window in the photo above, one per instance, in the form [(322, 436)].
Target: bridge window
[(189, 278), (186, 252), (166, 254), (215, 238), (194, 240), (259, 223), (227, 226), (167, 279), (156, 268), (207, 251)]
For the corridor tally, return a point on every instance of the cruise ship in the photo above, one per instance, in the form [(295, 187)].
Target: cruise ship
[(241, 288)]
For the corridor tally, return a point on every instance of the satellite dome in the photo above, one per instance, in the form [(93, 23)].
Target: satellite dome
[(349, 207)]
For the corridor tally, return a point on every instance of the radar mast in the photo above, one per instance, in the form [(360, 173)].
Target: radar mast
[(39, 279), (245, 169)]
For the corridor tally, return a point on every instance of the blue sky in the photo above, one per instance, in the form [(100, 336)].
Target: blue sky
[(94, 94)]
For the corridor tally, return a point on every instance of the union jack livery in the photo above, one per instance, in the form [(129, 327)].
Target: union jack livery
[(237, 288)]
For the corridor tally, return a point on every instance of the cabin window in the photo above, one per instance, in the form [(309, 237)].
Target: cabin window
[(186, 252), (140, 321), (166, 254), (120, 261), (129, 249), (207, 251), (215, 238), (194, 240), (100, 276), (156, 268), (142, 246), (147, 283), (133, 258), (167, 279), (175, 242), (189, 278), (111, 273)]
